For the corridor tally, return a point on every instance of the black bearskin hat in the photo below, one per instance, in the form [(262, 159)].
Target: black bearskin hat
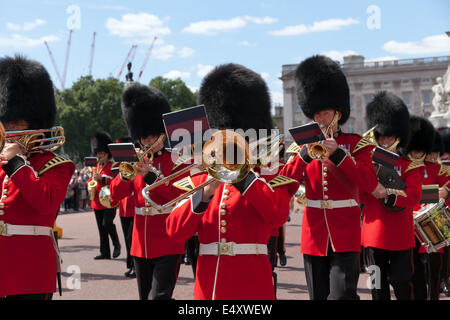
[(142, 109), (26, 93), (438, 145), (391, 116), (421, 136), (100, 141), (235, 97), (445, 135), (321, 85)]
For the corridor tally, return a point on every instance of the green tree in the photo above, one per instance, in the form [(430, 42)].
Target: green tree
[(89, 106), (176, 92)]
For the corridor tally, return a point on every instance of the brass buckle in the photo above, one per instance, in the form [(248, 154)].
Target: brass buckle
[(325, 204), (225, 249), (3, 229)]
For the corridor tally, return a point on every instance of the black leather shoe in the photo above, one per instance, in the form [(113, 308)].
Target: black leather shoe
[(127, 273), (282, 260), (116, 251), (132, 274), (445, 287), (102, 257)]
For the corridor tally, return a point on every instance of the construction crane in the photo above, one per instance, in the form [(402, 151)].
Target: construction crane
[(54, 65), (91, 58), (132, 51), (67, 59), (146, 59)]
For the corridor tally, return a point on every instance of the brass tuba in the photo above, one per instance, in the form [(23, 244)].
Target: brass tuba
[(215, 160), (316, 150), (128, 170)]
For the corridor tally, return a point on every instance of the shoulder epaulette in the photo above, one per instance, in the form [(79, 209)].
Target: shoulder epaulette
[(414, 165), (362, 143), (280, 181), (444, 170), (184, 184), (57, 160), (181, 160), (293, 148)]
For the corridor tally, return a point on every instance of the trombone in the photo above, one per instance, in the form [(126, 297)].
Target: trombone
[(317, 150), (214, 160)]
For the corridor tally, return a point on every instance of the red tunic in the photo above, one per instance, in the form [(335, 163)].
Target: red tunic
[(433, 173), (126, 207), (150, 239), (232, 217), (389, 230), (339, 226), (107, 177), (28, 263)]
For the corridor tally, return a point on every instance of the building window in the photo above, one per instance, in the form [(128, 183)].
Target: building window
[(407, 98), (386, 83), (426, 97)]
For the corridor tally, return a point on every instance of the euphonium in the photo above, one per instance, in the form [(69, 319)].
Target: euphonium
[(92, 185), (104, 197), (128, 170), (316, 150)]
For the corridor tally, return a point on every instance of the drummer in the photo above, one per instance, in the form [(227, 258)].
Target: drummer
[(425, 146)]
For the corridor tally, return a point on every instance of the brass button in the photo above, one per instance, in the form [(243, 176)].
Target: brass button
[(325, 174), (325, 183), (325, 189), (5, 191), (4, 197), (223, 205), (2, 205), (226, 192), (223, 223), (226, 197), (2, 212), (223, 240), (325, 168), (223, 229)]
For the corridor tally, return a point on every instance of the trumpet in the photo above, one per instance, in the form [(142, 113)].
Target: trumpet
[(214, 161), (128, 170), (317, 150), (92, 185), (34, 140)]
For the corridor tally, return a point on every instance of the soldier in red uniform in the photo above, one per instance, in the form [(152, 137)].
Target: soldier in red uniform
[(233, 221), (330, 240), (425, 146), (389, 236), (104, 216), (34, 184), (156, 256)]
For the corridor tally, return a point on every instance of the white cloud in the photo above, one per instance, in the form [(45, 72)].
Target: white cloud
[(140, 28), (203, 70), (276, 97), (164, 52), (18, 41), (265, 20), (185, 52), (317, 26), (175, 74), (429, 45), (247, 44), (27, 26), (265, 75), (212, 27), (338, 55)]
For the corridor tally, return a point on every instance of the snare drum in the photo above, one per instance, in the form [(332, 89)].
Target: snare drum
[(432, 226)]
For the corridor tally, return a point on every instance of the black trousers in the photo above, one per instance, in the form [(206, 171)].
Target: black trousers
[(445, 264), (280, 241), (426, 278), (106, 227), (192, 249), (127, 228), (332, 277), (396, 269), (157, 277), (272, 251), (34, 296)]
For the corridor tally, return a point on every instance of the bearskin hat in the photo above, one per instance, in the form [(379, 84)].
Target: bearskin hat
[(100, 141), (391, 116), (445, 136), (142, 109), (235, 97), (321, 85), (26, 93), (438, 145), (422, 135)]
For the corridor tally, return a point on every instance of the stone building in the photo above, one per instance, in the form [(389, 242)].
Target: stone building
[(410, 79)]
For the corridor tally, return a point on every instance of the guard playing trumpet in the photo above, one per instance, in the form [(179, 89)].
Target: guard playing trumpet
[(156, 256), (388, 236), (330, 240), (101, 202), (34, 182), (233, 220)]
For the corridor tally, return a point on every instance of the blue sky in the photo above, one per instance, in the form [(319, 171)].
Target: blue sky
[(196, 35)]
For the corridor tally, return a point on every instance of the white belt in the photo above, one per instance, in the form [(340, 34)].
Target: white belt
[(331, 204), (17, 230), (232, 248), (150, 211)]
